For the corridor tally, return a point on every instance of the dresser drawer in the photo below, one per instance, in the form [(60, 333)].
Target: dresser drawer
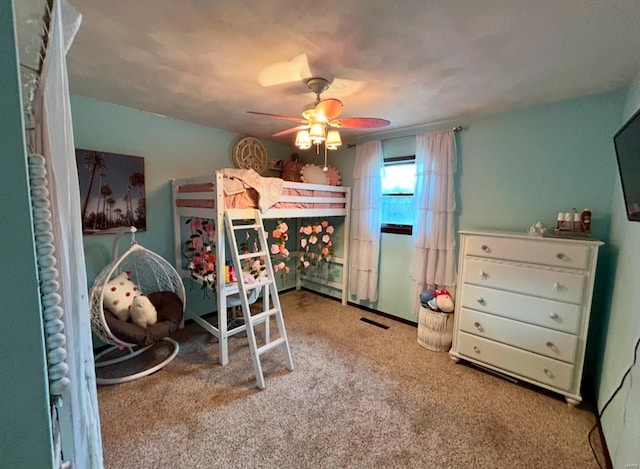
[(561, 286), (535, 251), (550, 343), (547, 313), (526, 364)]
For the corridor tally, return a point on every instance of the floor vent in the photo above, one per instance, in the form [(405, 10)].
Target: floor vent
[(373, 323)]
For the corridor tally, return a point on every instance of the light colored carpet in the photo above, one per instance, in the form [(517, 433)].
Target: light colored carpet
[(359, 396)]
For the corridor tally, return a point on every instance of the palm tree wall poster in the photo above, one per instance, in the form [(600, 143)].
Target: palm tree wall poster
[(112, 191)]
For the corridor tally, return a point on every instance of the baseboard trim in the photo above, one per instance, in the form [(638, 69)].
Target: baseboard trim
[(365, 308), (603, 442)]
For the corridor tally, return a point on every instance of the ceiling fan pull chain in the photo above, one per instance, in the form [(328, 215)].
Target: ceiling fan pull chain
[(325, 168)]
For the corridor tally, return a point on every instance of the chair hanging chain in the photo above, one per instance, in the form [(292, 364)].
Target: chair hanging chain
[(133, 235)]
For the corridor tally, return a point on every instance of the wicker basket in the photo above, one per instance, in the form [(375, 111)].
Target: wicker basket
[(435, 330)]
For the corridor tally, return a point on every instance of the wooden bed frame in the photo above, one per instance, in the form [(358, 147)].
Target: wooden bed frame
[(337, 205)]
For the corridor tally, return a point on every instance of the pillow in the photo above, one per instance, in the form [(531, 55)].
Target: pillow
[(169, 308), (334, 176), (291, 171), (119, 294), (312, 174)]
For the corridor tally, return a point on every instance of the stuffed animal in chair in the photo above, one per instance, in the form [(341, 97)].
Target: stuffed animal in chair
[(142, 312)]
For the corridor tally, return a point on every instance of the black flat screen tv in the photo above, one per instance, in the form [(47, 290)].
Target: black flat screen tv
[(627, 144)]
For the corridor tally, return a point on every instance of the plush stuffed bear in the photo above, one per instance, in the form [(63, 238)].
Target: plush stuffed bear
[(444, 301), (142, 312)]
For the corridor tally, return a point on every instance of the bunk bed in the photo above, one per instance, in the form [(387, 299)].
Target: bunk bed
[(205, 197)]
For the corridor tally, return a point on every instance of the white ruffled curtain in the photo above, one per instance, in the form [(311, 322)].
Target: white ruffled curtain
[(433, 264), (79, 417), (365, 221)]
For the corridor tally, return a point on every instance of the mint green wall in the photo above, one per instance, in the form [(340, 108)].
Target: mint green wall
[(514, 168), (527, 165), (172, 149), (24, 406), (621, 421)]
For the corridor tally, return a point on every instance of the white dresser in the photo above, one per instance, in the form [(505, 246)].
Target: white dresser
[(522, 307)]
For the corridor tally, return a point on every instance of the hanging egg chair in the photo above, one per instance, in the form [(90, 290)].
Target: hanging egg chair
[(138, 271)]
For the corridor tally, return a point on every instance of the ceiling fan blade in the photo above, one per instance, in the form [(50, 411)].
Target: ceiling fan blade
[(287, 118), (290, 131), (328, 109), (359, 123), (287, 71)]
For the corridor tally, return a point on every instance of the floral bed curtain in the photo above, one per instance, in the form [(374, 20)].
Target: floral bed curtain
[(433, 263)]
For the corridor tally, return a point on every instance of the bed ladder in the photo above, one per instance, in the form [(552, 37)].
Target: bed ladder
[(240, 222)]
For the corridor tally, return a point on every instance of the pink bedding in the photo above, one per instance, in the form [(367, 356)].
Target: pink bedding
[(309, 193), (248, 198)]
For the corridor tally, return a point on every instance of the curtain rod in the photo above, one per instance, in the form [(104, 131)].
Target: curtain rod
[(457, 128)]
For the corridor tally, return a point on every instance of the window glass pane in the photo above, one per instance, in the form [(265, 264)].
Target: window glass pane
[(400, 178), (396, 209)]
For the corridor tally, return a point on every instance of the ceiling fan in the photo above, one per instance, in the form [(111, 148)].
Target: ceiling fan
[(319, 122), (295, 72)]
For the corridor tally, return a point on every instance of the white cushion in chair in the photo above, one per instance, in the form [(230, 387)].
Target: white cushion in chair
[(119, 294)]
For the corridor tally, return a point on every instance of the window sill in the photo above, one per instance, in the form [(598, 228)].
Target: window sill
[(396, 229)]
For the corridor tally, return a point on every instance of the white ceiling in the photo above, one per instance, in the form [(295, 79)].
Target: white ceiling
[(418, 61)]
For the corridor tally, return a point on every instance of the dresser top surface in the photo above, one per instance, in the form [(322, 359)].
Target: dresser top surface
[(520, 235)]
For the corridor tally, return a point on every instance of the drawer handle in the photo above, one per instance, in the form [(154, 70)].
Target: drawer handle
[(485, 248), (556, 287), (483, 275), (561, 256), (480, 299), (476, 349), (550, 344), (478, 326), (548, 373), (553, 315)]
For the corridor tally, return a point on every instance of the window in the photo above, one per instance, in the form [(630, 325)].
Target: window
[(397, 194)]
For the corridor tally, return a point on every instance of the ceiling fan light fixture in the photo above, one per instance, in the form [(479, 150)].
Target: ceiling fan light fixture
[(320, 122), (333, 140), (316, 132), (303, 140)]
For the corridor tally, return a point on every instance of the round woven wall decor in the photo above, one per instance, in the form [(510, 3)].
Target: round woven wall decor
[(250, 153)]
